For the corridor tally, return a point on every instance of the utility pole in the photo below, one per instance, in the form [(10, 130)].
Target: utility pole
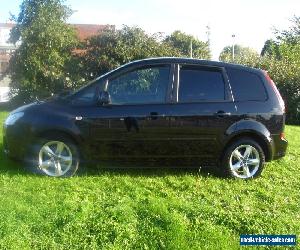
[(191, 48), (233, 36), (208, 39), (208, 35)]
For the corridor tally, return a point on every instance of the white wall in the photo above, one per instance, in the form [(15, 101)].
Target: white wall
[(4, 36), (4, 94)]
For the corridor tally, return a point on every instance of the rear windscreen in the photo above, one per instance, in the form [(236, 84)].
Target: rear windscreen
[(246, 86)]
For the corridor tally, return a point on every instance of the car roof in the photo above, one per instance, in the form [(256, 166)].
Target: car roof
[(182, 60)]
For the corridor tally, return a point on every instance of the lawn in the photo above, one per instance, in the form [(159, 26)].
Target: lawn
[(147, 209)]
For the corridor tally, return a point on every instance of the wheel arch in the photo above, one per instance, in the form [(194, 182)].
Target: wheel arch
[(59, 133), (260, 138)]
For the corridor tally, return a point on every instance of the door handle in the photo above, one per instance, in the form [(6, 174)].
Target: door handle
[(222, 113), (153, 115)]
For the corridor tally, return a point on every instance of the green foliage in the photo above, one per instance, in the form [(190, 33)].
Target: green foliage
[(48, 60), (270, 48), (147, 209), (240, 53), (291, 35), (39, 66), (182, 42), (284, 66), (113, 48)]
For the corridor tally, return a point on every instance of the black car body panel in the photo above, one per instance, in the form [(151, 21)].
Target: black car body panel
[(198, 130)]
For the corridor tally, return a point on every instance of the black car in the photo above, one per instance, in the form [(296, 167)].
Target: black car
[(190, 111)]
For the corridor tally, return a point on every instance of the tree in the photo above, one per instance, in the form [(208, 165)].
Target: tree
[(270, 48), (286, 46), (182, 42), (291, 35), (38, 67), (113, 48), (240, 52)]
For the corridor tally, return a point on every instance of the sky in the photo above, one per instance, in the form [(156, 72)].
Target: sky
[(251, 21)]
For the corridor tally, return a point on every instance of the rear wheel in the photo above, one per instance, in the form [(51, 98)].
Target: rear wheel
[(56, 157), (243, 159)]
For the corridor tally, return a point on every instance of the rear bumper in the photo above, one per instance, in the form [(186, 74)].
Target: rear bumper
[(279, 146)]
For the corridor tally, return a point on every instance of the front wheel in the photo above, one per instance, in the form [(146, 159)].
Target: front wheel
[(243, 159), (56, 157)]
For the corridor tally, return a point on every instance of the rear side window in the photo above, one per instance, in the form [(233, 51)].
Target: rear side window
[(200, 84), (246, 86)]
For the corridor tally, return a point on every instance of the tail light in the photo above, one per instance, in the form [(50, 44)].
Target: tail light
[(282, 136), (270, 81)]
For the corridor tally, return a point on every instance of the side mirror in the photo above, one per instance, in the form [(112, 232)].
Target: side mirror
[(103, 98)]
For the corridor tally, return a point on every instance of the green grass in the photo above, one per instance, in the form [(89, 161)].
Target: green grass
[(147, 209)]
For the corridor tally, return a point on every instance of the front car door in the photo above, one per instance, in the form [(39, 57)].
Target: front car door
[(135, 123)]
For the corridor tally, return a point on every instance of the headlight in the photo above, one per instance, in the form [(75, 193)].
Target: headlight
[(11, 119)]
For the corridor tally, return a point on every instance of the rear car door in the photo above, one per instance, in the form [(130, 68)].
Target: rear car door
[(202, 113)]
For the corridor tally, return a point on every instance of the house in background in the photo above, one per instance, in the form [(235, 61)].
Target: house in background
[(6, 49), (84, 31)]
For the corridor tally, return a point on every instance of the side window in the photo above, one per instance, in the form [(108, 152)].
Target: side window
[(87, 95), (200, 84), (142, 85), (246, 86)]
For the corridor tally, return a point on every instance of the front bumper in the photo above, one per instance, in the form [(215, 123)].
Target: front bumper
[(15, 141), (5, 148)]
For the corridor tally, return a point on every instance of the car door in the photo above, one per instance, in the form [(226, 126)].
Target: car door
[(135, 123), (202, 113)]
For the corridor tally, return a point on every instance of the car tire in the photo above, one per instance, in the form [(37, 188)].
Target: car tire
[(55, 156), (243, 159)]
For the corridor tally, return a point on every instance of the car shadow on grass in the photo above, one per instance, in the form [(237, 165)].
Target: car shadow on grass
[(10, 167), (6, 107), (157, 169)]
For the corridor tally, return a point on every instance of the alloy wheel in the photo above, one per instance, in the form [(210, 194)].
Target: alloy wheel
[(55, 158), (244, 161)]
